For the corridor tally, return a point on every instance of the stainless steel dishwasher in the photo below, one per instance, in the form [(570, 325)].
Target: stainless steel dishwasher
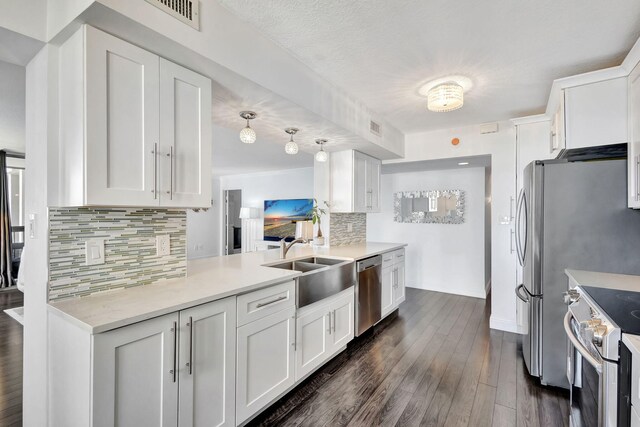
[(368, 293)]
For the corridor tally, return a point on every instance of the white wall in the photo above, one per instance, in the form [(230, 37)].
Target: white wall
[(441, 257), (12, 107), (501, 147), (27, 17)]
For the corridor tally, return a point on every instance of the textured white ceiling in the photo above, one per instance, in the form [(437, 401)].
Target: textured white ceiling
[(381, 52)]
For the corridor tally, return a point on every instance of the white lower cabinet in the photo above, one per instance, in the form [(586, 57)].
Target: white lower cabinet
[(388, 274), (207, 356), (168, 371), (399, 286), (134, 375), (393, 286), (265, 366), (322, 329)]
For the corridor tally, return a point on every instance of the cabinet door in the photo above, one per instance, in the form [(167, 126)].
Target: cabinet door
[(207, 354), (312, 340), (373, 179), (557, 139), (122, 122), (399, 288), (633, 154), (134, 374), (388, 276), (342, 322), (185, 137), (265, 362), (360, 182)]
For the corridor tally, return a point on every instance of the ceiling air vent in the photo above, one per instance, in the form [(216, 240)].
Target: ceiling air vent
[(186, 11), (374, 128)]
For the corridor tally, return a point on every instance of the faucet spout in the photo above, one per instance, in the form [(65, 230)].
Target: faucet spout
[(284, 247)]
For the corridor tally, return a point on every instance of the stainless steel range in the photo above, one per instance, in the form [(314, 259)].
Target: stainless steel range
[(596, 319)]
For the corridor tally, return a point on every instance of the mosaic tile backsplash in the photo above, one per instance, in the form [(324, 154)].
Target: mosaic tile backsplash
[(130, 248), (340, 235)]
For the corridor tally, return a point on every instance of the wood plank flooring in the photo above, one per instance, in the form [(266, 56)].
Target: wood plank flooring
[(10, 361), (436, 363)]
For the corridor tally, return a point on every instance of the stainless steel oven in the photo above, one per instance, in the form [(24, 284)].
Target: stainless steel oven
[(592, 364)]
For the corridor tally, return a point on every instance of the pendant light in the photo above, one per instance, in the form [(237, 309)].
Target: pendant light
[(321, 156), (248, 135), (291, 147)]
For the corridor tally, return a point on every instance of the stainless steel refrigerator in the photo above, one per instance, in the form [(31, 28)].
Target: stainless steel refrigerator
[(570, 214)]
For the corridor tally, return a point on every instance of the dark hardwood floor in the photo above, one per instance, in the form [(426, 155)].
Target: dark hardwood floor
[(437, 364), (10, 361)]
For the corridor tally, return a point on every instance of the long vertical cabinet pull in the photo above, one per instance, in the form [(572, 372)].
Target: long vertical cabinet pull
[(175, 350), (334, 322), (329, 330), (155, 170), (637, 177), (170, 156), (190, 362)]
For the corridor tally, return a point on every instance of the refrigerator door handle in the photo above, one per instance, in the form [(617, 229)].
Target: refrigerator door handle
[(519, 294), (518, 227)]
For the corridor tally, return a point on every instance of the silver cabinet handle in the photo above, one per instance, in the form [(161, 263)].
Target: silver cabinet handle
[(333, 323), (190, 362), (155, 170), (263, 304), (513, 233), (329, 329), (174, 330), (170, 156), (637, 178)]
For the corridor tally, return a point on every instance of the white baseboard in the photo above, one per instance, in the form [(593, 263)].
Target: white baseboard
[(503, 325)]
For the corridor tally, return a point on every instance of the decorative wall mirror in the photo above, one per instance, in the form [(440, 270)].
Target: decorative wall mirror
[(432, 206)]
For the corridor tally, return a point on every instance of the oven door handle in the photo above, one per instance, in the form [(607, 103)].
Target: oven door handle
[(578, 345)]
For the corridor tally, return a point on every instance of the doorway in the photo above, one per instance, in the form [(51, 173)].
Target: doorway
[(232, 222)]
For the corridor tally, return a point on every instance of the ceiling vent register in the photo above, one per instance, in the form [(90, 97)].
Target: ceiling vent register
[(374, 128), (186, 11)]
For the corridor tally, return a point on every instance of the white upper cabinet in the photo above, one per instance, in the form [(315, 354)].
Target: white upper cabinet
[(557, 141), (185, 136), (355, 182), (596, 114), (134, 128), (633, 154)]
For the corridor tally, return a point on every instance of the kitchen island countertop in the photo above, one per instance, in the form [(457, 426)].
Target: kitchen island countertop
[(207, 280)]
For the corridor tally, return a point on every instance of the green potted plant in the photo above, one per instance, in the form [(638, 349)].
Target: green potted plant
[(316, 217)]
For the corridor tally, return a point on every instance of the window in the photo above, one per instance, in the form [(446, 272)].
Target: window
[(15, 186)]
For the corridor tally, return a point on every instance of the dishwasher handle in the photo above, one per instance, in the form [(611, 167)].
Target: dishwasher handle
[(368, 263)]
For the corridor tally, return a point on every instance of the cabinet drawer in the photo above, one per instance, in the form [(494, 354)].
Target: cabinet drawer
[(398, 256), (388, 259), (258, 304)]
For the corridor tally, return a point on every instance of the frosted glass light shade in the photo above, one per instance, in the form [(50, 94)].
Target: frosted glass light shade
[(321, 156), (445, 97), (291, 148), (248, 135)]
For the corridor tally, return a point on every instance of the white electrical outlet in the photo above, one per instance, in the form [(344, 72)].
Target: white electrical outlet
[(350, 227), (163, 245), (94, 251)]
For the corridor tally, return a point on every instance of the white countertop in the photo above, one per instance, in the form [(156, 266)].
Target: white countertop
[(207, 280), (622, 282)]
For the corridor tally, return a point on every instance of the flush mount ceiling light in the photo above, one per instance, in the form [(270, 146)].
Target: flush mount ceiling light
[(445, 94), (248, 135), (321, 155), (291, 147), (463, 163)]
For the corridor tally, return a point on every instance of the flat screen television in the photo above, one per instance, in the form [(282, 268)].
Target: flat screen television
[(280, 217)]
